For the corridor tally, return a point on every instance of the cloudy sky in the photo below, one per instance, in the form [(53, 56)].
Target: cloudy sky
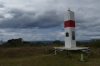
[(40, 20)]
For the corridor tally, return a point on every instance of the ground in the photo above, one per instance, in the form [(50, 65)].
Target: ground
[(44, 56)]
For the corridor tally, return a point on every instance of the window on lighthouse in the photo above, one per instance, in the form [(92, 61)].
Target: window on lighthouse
[(67, 34)]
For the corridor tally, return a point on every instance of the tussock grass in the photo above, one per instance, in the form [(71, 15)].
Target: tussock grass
[(38, 56)]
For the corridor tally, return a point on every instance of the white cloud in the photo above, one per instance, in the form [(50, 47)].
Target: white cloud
[(8, 16)]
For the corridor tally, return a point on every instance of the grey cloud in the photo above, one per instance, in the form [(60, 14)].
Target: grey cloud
[(18, 13), (23, 19), (1, 16), (1, 5), (87, 19)]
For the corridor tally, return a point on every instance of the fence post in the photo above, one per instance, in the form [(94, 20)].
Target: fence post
[(55, 51), (81, 57)]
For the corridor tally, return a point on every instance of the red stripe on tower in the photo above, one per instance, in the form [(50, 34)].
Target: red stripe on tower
[(69, 23)]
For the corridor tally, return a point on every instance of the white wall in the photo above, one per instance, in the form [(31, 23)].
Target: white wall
[(69, 15), (69, 43)]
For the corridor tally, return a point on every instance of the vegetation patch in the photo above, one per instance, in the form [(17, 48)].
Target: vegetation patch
[(16, 52)]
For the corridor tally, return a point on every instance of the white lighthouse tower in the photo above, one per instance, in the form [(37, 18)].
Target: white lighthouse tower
[(69, 26)]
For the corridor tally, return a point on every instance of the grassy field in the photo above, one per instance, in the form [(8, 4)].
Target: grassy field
[(38, 56)]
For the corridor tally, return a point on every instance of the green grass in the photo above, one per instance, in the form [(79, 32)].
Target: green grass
[(37, 56)]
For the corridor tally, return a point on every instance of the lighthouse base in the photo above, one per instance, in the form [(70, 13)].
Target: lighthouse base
[(76, 48), (84, 49)]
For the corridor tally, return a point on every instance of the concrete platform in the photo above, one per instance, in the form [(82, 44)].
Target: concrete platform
[(76, 48)]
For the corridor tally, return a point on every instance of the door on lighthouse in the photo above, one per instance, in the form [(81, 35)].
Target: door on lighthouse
[(73, 35)]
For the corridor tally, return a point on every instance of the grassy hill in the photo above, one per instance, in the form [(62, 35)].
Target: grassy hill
[(43, 55), (38, 56)]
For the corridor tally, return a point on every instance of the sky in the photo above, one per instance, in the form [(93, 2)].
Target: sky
[(42, 20)]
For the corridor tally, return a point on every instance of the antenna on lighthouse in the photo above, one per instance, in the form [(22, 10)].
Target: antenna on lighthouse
[(68, 9)]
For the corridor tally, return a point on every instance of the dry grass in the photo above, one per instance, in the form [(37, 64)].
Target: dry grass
[(37, 56)]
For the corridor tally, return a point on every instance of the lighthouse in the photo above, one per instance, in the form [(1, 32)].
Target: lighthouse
[(69, 27)]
